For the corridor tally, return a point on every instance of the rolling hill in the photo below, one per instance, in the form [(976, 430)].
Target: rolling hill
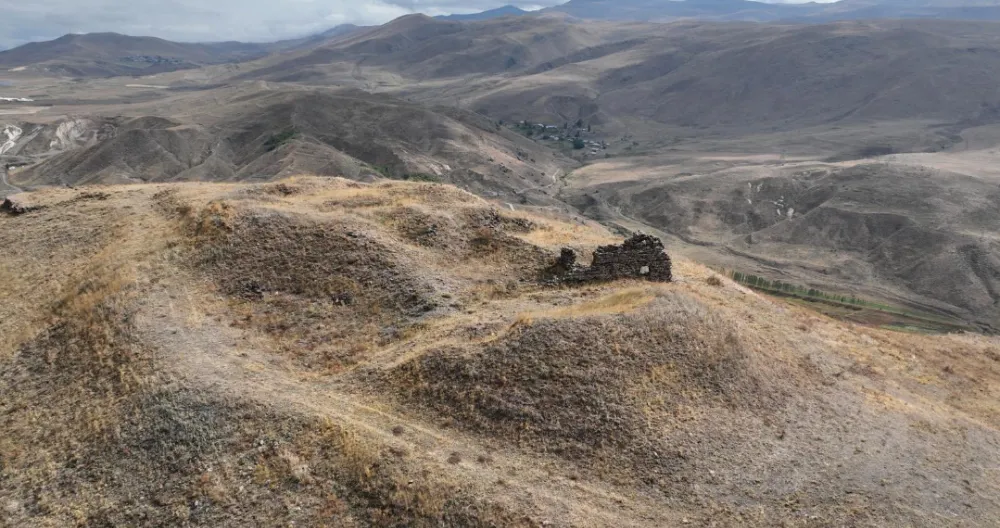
[(325, 286), (654, 98), (727, 78), (920, 236), (423, 48), (749, 10), (504, 11), (112, 54), (680, 87), (263, 134), (321, 351)]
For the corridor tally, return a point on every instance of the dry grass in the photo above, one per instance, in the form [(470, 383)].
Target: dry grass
[(566, 383), (694, 398), (623, 301)]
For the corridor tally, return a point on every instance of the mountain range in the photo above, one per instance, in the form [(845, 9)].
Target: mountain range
[(748, 10), (462, 102)]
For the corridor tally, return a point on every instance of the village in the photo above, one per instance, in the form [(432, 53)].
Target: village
[(572, 135)]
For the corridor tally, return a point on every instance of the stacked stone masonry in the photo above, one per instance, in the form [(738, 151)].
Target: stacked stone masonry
[(639, 257)]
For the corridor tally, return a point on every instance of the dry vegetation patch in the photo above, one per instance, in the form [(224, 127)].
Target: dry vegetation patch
[(327, 290), (581, 381), (147, 382)]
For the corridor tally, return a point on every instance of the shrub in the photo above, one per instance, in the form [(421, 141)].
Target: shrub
[(277, 140), (422, 177)]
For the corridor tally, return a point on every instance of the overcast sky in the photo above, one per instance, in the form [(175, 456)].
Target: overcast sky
[(213, 20)]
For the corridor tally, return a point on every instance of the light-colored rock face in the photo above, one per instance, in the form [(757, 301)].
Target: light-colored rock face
[(8, 138), (73, 133)]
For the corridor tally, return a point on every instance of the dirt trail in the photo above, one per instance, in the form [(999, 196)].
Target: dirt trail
[(217, 357)]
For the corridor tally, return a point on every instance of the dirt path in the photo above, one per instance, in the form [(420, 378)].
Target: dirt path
[(215, 356)]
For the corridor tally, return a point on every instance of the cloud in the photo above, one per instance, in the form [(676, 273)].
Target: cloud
[(23, 21)]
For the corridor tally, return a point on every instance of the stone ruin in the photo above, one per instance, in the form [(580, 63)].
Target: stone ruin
[(639, 257), (15, 205)]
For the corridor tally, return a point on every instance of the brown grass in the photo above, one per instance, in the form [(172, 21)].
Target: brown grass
[(149, 382), (576, 381)]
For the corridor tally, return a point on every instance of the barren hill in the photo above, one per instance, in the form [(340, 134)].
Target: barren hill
[(318, 351), (751, 10), (921, 236), (678, 92), (495, 106), (424, 48), (507, 10), (111, 54), (685, 78), (263, 134)]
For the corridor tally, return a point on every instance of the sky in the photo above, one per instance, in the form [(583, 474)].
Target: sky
[(24, 21)]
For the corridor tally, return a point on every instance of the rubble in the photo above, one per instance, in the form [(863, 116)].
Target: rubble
[(639, 257), (16, 205)]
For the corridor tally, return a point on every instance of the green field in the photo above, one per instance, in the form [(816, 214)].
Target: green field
[(853, 308)]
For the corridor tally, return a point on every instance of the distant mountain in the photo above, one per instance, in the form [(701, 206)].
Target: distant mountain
[(112, 54), (507, 10), (323, 37), (748, 10)]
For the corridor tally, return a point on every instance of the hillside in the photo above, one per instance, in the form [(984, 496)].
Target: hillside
[(318, 351), (112, 54), (422, 48), (745, 10), (264, 134), (507, 10), (676, 121), (656, 99), (918, 235), (680, 79)]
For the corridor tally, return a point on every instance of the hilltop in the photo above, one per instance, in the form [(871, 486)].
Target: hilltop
[(322, 351)]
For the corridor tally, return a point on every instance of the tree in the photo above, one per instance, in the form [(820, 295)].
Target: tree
[(578, 144)]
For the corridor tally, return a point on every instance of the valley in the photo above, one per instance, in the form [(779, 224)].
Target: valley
[(744, 176), (333, 280)]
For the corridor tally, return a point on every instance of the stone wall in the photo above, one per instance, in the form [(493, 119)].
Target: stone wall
[(15, 204), (639, 257)]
